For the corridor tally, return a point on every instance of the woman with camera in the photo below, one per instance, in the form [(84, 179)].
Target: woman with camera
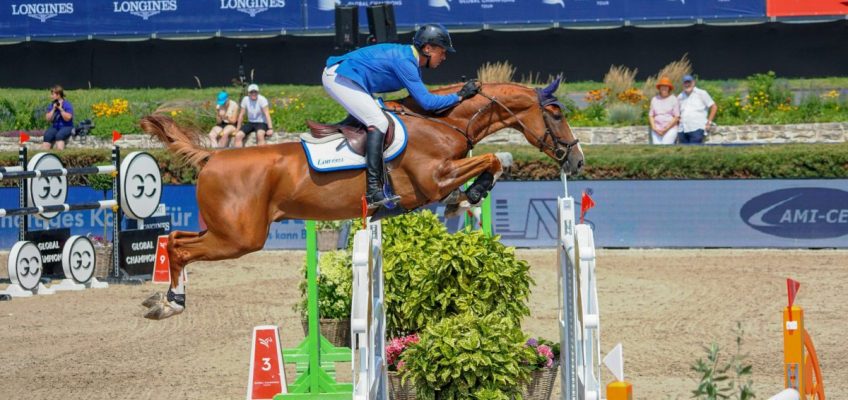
[(60, 114)]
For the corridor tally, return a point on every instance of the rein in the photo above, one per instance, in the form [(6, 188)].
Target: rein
[(560, 148)]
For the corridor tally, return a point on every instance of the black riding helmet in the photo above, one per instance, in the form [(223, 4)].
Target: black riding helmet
[(433, 34)]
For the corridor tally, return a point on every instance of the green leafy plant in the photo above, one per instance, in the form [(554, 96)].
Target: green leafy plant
[(431, 274), (624, 114), (335, 285), (724, 379), (329, 225), (466, 356)]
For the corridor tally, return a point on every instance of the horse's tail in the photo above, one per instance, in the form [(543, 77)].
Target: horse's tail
[(181, 141)]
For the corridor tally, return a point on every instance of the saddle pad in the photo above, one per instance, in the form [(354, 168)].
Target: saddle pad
[(333, 153)]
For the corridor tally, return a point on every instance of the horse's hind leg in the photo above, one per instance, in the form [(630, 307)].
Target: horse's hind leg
[(186, 247)]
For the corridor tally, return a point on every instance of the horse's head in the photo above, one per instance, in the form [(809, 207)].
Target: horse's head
[(557, 141), (537, 113)]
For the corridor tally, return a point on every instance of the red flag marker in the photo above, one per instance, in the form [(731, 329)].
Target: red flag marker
[(24, 137), (586, 203), (267, 375), (162, 266), (792, 287), (116, 136)]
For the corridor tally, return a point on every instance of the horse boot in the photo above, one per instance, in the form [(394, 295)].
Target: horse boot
[(480, 188), (374, 195)]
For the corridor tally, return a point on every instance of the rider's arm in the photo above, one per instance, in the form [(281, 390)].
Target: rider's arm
[(411, 79)]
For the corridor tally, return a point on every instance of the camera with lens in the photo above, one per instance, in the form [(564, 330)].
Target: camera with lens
[(82, 130), (55, 102)]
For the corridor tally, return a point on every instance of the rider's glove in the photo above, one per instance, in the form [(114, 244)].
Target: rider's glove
[(468, 90)]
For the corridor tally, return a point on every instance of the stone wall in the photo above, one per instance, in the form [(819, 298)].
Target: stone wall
[(797, 133)]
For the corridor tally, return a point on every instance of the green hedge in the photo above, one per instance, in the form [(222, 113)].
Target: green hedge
[(602, 162), (687, 162)]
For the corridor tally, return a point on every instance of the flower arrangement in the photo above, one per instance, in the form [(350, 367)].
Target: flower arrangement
[(117, 107), (395, 349), (547, 353)]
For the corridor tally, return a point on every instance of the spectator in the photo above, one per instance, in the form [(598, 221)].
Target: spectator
[(60, 114), (258, 117), (664, 114), (695, 104), (226, 114)]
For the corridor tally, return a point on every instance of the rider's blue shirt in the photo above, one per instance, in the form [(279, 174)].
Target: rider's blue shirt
[(389, 67)]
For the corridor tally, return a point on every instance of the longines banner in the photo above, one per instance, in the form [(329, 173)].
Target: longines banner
[(675, 213), (83, 18)]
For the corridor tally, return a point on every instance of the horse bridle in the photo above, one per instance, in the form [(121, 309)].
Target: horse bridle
[(561, 149)]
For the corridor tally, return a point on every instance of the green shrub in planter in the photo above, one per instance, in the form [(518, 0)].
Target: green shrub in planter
[(431, 274), (335, 285), (467, 356)]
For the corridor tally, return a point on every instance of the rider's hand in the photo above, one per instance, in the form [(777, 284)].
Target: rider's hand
[(468, 90)]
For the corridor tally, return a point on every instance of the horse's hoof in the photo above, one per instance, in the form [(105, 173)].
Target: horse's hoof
[(154, 299), (162, 311)]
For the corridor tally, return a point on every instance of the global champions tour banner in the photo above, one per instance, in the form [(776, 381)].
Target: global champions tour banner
[(21, 19), (679, 213)]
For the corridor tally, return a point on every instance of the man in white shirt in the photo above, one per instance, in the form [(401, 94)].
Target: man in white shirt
[(697, 111), (255, 106)]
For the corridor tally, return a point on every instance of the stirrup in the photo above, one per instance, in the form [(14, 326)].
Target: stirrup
[(389, 199)]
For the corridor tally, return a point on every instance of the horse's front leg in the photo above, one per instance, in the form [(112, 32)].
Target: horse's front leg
[(453, 173)]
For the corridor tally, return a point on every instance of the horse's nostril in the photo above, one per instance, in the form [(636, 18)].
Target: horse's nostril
[(580, 164)]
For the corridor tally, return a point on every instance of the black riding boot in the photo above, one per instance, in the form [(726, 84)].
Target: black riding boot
[(374, 168)]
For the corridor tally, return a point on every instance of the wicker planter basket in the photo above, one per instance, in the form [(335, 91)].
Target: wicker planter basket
[(336, 331), (541, 383), (103, 256), (328, 240), (399, 390)]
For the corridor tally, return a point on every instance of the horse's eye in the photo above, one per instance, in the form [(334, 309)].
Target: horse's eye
[(558, 116)]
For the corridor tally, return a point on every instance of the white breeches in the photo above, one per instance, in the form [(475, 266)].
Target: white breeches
[(669, 138), (354, 99)]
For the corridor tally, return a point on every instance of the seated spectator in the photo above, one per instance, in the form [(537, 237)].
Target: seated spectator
[(664, 114), (60, 114), (226, 114), (258, 117), (697, 112)]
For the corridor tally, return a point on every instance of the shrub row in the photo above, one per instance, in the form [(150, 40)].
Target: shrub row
[(797, 161)]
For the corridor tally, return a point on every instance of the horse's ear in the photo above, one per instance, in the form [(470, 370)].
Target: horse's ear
[(553, 86)]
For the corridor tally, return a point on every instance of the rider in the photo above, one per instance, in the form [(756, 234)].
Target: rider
[(351, 78)]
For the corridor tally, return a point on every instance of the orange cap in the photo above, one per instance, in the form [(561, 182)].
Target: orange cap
[(664, 81)]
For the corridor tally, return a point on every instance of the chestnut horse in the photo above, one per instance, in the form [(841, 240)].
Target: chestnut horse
[(240, 192)]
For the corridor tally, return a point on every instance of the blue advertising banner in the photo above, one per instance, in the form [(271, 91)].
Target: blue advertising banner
[(679, 213), (22, 18), (81, 19)]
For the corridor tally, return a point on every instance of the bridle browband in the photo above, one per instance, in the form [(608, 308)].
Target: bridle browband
[(560, 148)]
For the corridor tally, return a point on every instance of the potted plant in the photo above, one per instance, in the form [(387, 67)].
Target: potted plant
[(463, 356), (328, 234), (335, 287), (543, 369), (102, 246), (398, 389)]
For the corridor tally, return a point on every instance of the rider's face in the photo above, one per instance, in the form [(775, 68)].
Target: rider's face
[(437, 55)]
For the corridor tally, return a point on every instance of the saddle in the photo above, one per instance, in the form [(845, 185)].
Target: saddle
[(352, 130)]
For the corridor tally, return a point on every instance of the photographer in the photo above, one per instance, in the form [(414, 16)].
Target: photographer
[(60, 114)]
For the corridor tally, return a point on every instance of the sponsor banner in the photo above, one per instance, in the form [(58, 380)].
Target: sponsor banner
[(475, 13), (795, 8), (51, 244), (138, 251), (683, 213), (46, 18)]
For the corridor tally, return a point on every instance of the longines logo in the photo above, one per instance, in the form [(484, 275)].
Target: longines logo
[(144, 9), (252, 7), (42, 11)]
